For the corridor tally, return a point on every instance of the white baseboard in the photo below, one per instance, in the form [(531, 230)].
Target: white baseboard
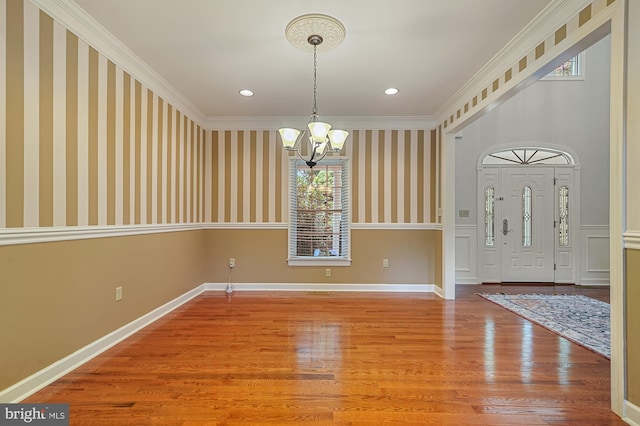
[(390, 288), (467, 281), (631, 413), (47, 375)]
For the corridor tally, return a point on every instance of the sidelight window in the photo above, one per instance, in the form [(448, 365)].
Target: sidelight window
[(526, 217), (489, 215), (563, 222)]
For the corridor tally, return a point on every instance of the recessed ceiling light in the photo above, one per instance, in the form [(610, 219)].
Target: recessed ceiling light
[(246, 92), (391, 91)]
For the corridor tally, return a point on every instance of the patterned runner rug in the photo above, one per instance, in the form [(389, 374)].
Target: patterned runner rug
[(580, 319)]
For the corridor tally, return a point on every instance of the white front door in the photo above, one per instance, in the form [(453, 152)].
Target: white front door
[(525, 224)]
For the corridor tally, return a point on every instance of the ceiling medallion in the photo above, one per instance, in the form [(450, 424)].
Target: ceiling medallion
[(331, 31)]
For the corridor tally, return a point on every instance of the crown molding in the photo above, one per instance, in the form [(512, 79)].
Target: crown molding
[(552, 17), (79, 22), (346, 122)]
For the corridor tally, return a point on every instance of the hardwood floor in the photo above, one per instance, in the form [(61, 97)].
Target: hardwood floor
[(342, 358)]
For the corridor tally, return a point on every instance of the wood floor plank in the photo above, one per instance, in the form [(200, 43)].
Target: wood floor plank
[(342, 358)]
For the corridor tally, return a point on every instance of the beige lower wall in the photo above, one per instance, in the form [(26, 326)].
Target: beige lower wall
[(58, 297), (632, 323), (261, 257)]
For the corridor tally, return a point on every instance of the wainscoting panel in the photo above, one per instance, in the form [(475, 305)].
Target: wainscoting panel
[(467, 254), (594, 242)]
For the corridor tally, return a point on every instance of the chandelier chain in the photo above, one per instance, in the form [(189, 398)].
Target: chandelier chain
[(315, 84)]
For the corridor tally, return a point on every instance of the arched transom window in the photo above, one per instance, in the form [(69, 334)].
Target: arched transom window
[(528, 156)]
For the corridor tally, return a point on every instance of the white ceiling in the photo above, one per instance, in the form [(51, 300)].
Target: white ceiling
[(210, 49)]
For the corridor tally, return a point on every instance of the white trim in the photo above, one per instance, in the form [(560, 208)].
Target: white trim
[(49, 374), (345, 287), (397, 226), (12, 236), (631, 413), (546, 22), (372, 123), (318, 261), (631, 240), (91, 31)]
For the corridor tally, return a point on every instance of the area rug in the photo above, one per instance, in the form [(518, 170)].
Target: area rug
[(580, 319)]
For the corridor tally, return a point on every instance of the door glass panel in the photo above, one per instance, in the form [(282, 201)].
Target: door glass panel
[(563, 203), (489, 218), (526, 216)]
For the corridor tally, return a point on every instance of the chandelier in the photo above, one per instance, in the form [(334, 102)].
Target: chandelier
[(314, 32)]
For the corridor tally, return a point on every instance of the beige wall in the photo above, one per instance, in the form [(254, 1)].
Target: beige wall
[(633, 325), (261, 257), (632, 275), (58, 297)]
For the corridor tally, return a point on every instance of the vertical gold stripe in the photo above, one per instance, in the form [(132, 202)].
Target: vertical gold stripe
[(522, 64), (561, 34), (585, 16), (266, 185), (474, 101), (368, 178), (239, 176), (93, 136), (540, 50), (408, 193), (394, 176), (421, 176), (466, 106), (507, 77), (138, 149), (170, 115), (185, 127), (45, 184), (15, 114), (198, 158), (71, 130), (495, 86), (149, 124), (227, 176), (355, 183), (111, 143), (160, 177), (252, 170), (215, 166), (433, 177), (484, 96), (277, 186), (126, 149), (192, 178), (178, 132)]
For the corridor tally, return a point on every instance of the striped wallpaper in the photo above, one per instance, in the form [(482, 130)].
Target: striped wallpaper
[(83, 143), (392, 176)]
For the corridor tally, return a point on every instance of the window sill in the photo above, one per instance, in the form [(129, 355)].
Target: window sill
[(319, 261)]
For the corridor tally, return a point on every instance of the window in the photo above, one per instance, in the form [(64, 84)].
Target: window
[(489, 215), (571, 69), (526, 217), (319, 222), (563, 205)]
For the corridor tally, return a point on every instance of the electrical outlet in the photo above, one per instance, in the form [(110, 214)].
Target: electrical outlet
[(118, 294), (232, 262), (385, 263), (327, 272)]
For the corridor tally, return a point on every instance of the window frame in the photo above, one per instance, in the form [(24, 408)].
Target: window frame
[(293, 259)]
